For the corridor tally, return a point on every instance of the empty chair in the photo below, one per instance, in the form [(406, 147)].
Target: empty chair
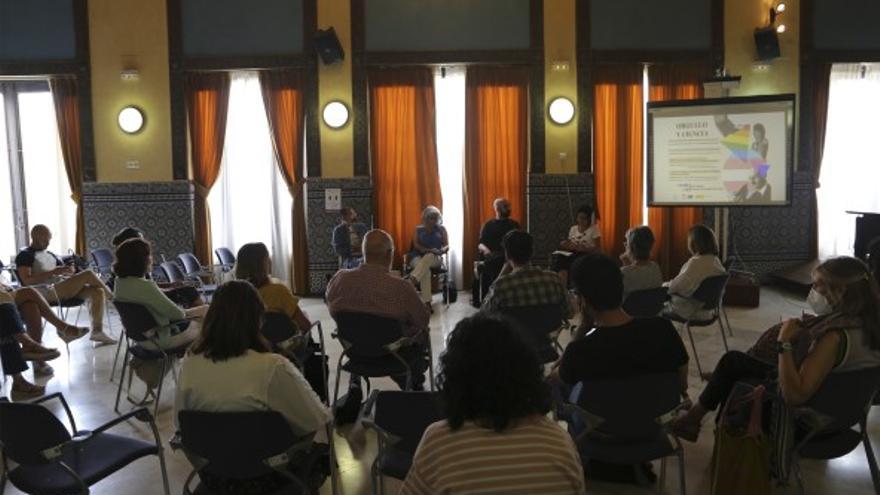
[(102, 262), (626, 421), (52, 460), (140, 327), (709, 294), (374, 346), (828, 417), (225, 258), (646, 303), (254, 445), (193, 270), (540, 326), (172, 272), (399, 419)]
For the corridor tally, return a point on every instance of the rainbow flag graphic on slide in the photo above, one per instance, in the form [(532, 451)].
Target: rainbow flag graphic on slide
[(742, 161)]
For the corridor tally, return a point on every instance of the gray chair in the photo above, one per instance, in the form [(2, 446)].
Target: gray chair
[(646, 303), (709, 295), (628, 421)]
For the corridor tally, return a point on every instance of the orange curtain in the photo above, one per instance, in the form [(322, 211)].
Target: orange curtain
[(403, 150), (66, 98), (283, 99), (496, 149), (821, 82), (207, 100), (617, 151), (670, 224)]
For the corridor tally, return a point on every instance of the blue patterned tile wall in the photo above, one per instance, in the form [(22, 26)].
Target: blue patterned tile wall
[(163, 210), (553, 201), (356, 192)]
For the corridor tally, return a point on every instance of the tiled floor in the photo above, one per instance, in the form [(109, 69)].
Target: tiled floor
[(84, 380)]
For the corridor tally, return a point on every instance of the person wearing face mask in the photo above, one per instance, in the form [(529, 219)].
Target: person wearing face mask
[(844, 336)]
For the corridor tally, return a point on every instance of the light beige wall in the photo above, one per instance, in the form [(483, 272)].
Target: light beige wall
[(134, 33), (334, 83), (560, 46)]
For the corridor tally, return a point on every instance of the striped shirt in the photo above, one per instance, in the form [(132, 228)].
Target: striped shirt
[(535, 456)]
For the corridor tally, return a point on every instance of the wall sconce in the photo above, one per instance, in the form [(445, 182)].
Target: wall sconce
[(561, 110), (335, 114), (775, 12), (131, 119)]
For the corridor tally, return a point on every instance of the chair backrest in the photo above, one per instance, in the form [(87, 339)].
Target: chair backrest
[(225, 257), (136, 320), (646, 303), (846, 396), (29, 429), (172, 271), (103, 260), (158, 274), (366, 334), (630, 406), (534, 324), (190, 264), (711, 291), (235, 444), (277, 327), (406, 415)]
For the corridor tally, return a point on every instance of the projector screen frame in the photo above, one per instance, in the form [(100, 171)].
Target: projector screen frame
[(791, 128)]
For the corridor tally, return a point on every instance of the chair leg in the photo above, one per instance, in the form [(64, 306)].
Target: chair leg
[(872, 460), (687, 327), (121, 377), (723, 336), (727, 322), (164, 470), (159, 388), (661, 482), (681, 477), (336, 385), (116, 358)]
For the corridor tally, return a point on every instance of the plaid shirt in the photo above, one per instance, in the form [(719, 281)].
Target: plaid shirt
[(373, 290), (527, 286)]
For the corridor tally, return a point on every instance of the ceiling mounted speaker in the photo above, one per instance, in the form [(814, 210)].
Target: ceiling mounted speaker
[(328, 47), (767, 43)]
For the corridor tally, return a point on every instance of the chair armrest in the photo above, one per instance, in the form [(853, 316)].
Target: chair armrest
[(367, 418), (141, 413), (589, 420), (60, 397), (402, 342)]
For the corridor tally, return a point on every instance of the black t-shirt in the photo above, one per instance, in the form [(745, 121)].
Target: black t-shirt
[(493, 231), (642, 346)]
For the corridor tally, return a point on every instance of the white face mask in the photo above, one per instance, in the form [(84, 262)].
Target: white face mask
[(819, 303)]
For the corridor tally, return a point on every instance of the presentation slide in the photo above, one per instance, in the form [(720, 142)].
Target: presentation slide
[(720, 152)]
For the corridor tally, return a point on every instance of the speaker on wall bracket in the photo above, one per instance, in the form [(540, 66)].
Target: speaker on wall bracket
[(767, 43), (328, 47)]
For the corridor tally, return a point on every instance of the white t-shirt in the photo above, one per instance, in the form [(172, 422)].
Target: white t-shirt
[(44, 261), (255, 381), (587, 238)]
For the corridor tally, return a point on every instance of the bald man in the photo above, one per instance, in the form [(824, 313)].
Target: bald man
[(372, 289), (38, 266), (490, 249)]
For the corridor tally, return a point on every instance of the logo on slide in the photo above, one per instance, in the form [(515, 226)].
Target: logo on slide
[(743, 160)]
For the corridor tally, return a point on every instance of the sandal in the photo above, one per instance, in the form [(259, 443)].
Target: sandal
[(69, 333)]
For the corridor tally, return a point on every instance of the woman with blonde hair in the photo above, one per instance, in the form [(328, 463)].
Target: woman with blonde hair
[(843, 289), (430, 243)]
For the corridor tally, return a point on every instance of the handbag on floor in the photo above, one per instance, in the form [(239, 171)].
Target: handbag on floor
[(741, 457)]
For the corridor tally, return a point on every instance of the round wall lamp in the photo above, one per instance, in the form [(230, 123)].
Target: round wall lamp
[(131, 119), (561, 110), (335, 114)]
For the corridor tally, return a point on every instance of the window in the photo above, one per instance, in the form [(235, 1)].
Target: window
[(250, 201), (33, 181), (850, 172), (449, 96)]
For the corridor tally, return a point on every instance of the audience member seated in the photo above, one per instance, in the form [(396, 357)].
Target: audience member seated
[(253, 264), (618, 346), (372, 289), (32, 308), (16, 347), (489, 248), (842, 287), (230, 369), (703, 263), (496, 437), (639, 272), (430, 243), (347, 238), (134, 260), (874, 257), (185, 295), (583, 238), (524, 285), (37, 266)]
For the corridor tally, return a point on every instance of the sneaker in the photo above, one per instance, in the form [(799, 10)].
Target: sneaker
[(41, 368), (70, 333), (101, 338), (27, 390)]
